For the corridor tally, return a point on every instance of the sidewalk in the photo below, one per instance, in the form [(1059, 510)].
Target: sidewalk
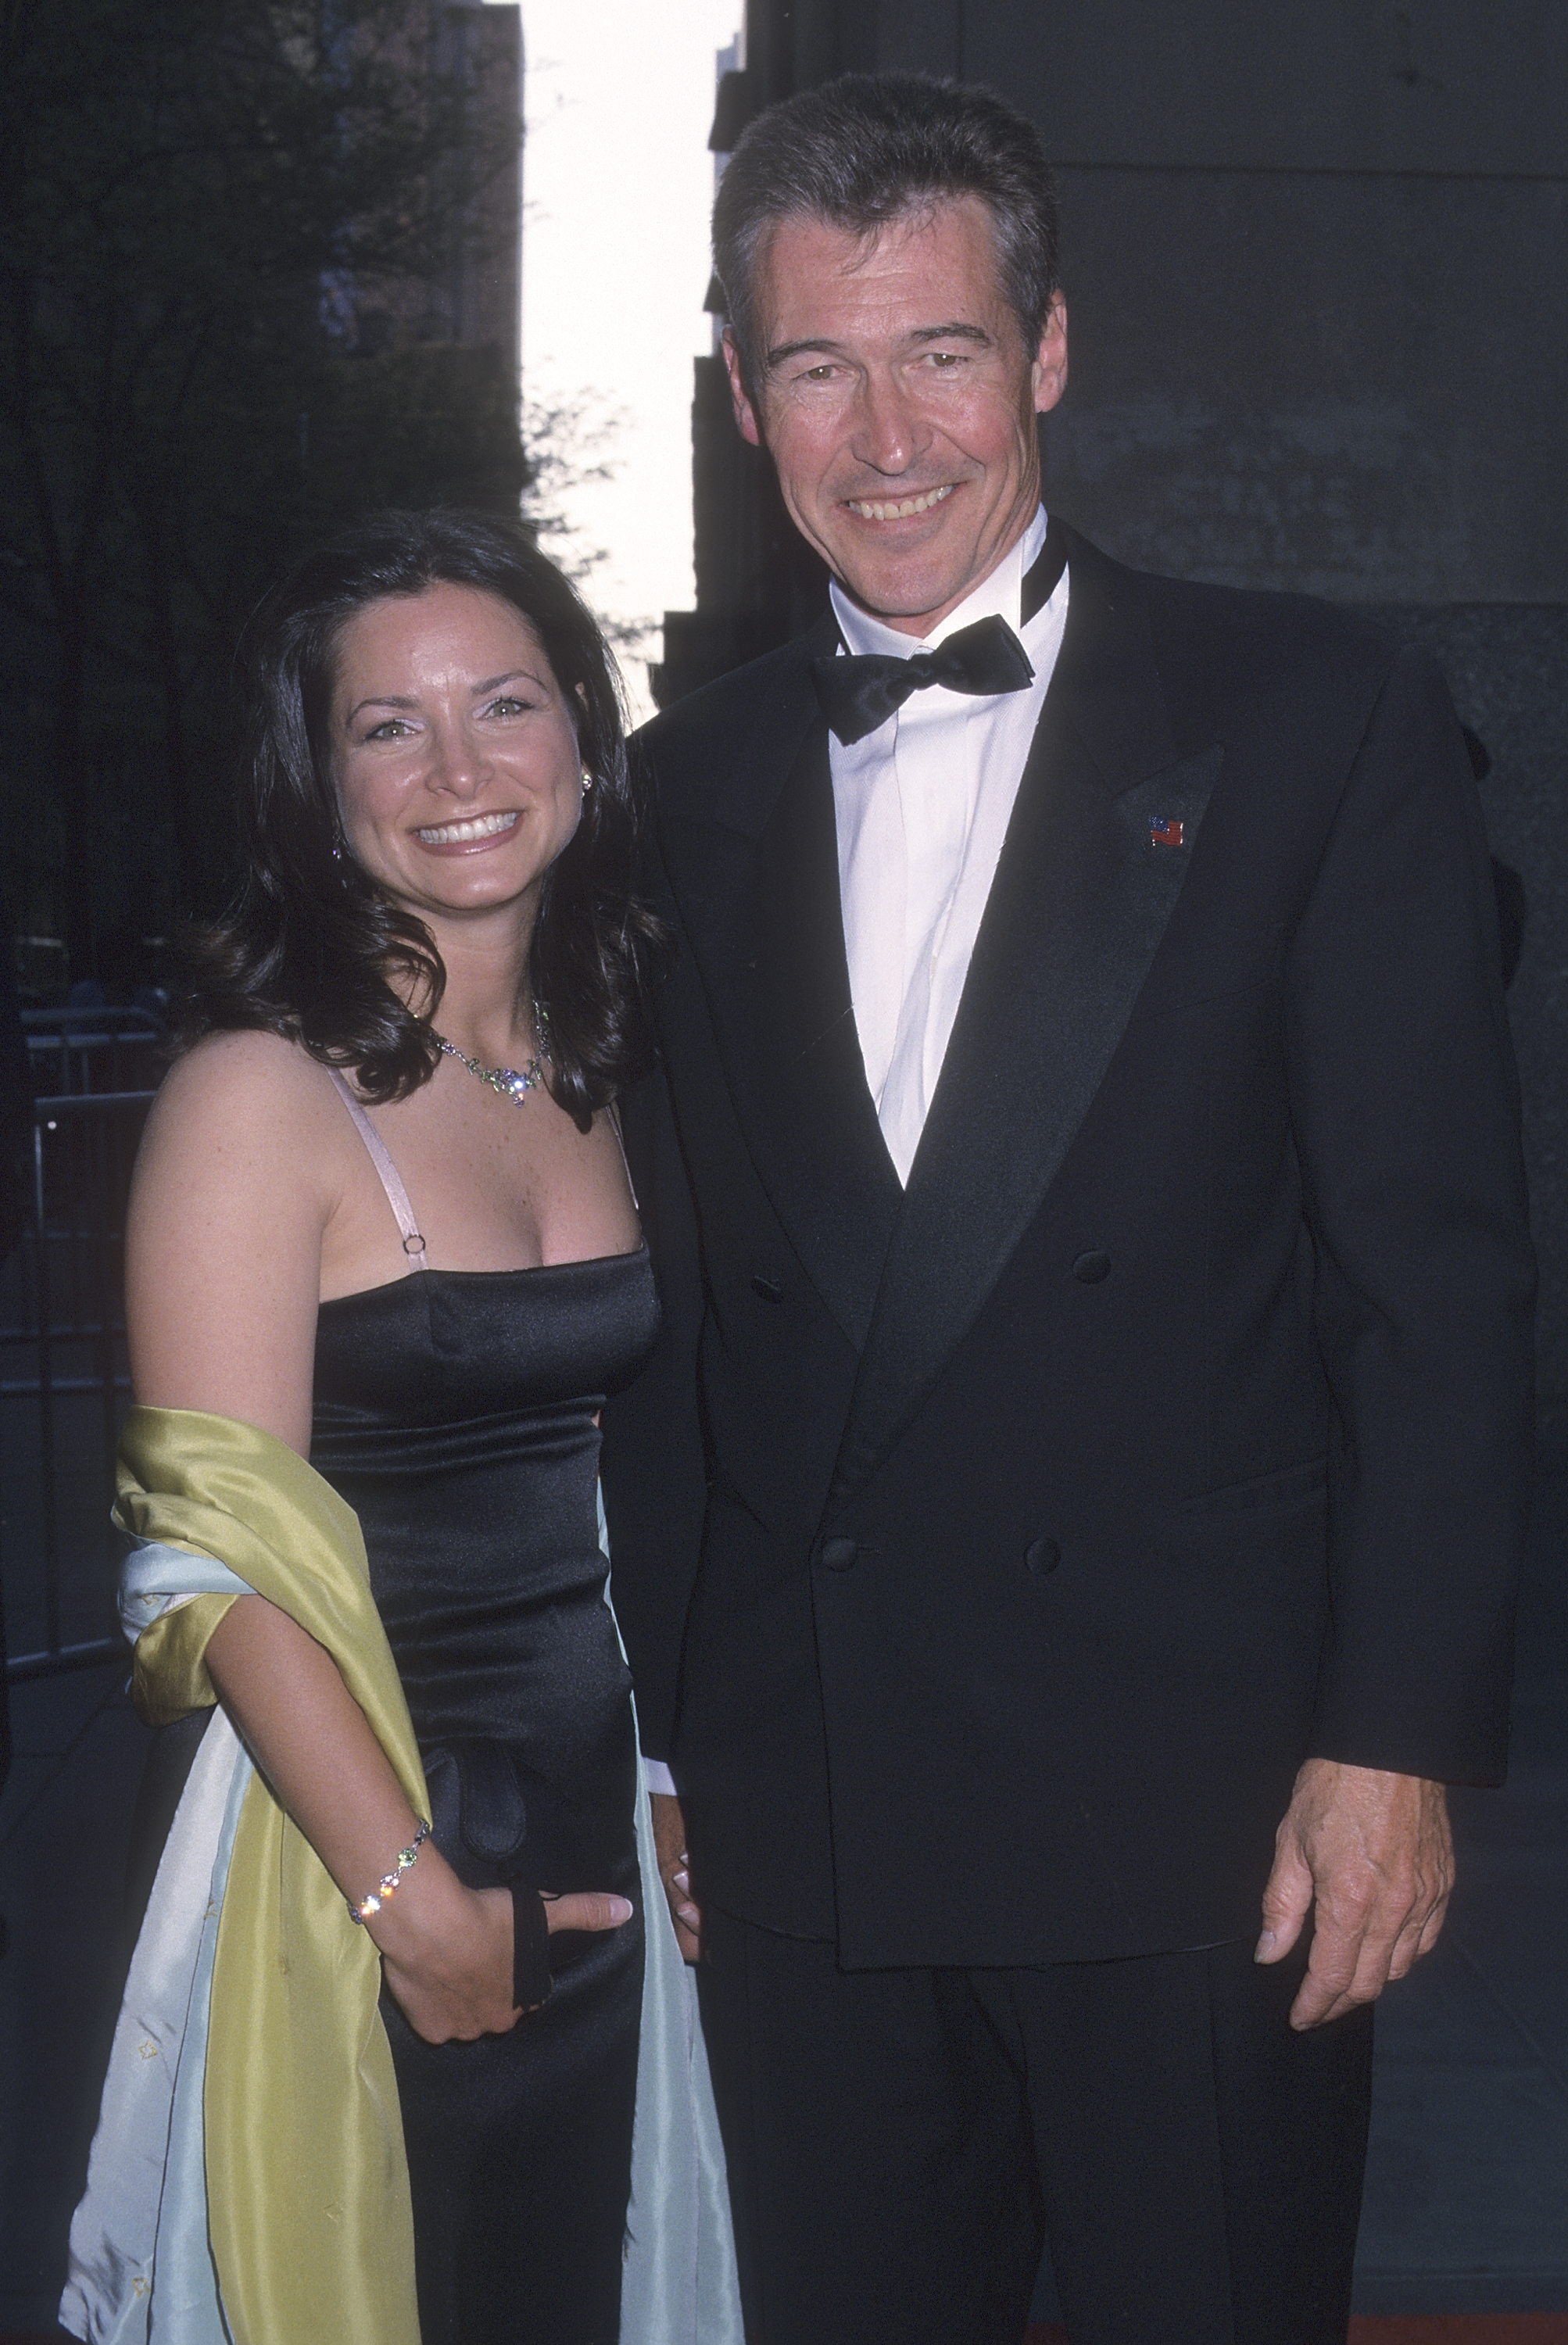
[(1467, 2188)]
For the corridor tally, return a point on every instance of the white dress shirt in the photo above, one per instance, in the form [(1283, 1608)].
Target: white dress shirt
[(922, 806)]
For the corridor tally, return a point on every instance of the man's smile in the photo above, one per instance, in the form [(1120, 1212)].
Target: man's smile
[(904, 508)]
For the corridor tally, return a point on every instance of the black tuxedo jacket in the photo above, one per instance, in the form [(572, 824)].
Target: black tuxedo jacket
[(992, 1553)]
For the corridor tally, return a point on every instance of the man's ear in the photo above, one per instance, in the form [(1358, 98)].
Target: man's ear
[(1049, 367), (745, 413)]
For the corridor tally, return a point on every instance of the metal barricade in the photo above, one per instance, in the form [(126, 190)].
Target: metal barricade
[(82, 1047), (63, 1375)]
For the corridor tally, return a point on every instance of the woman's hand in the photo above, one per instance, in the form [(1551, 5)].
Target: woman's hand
[(446, 1951)]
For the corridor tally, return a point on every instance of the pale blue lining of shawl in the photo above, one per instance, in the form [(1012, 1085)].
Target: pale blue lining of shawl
[(141, 2269), (678, 2285)]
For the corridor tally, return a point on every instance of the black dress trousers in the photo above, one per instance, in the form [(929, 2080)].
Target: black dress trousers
[(902, 2142)]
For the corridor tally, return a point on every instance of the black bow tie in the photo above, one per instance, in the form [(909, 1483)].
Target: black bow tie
[(859, 694)]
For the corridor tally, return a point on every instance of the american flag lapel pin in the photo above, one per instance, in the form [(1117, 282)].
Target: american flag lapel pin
[(1165, 833)]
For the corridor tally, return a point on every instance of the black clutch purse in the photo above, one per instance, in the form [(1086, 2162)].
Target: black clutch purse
[(479, 1821)]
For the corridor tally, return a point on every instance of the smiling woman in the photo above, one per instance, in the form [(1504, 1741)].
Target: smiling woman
[(409, 1633)]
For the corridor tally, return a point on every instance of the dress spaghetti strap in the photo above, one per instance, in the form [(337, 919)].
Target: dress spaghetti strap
[(397, 1195)]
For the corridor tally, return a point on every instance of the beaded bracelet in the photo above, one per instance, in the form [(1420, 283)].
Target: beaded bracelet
[(387, 1886)]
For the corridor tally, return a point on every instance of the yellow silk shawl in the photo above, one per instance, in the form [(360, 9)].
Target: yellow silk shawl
[(307, 2182)]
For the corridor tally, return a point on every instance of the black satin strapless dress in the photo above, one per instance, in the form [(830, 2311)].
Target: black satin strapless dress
[(455, 1412)]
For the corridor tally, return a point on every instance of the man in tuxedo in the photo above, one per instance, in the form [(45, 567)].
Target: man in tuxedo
[(1071, 1525)]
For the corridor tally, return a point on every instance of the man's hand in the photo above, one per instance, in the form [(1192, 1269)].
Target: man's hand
[(1375, 1852), (674, 1871)]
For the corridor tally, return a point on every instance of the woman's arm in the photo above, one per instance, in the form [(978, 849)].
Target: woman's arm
[(234, 1190), (447, 1948)]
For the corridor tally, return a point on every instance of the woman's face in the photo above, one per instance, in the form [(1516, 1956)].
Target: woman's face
[(454, 754)]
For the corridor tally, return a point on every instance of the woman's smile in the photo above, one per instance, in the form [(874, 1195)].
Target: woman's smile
[(473, 830)]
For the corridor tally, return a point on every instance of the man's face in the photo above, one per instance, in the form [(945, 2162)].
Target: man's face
[(897, 400)]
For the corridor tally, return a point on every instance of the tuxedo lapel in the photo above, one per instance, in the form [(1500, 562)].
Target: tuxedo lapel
[(759, 897), (1080, 900)]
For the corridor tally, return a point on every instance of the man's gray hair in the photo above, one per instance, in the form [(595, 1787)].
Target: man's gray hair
[(864, 149)]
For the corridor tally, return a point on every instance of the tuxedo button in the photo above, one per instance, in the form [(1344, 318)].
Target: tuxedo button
[(1040, 1556), (768, 1289), (1090, 1268), (838, 1554)]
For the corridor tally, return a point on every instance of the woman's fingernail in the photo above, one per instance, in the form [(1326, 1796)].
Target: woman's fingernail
[(681, 1880), (690, 1915), (620, 1909)]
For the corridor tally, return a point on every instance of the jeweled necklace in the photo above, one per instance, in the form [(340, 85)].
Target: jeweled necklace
[(512, 1082)]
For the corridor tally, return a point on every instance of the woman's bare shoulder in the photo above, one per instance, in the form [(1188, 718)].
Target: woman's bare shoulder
[(247, 1104), (255, 1078)]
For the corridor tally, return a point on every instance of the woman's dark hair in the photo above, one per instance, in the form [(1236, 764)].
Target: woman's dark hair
[(310, 945), (859, 151)]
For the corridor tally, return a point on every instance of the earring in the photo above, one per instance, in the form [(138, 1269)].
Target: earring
[(587, 779)]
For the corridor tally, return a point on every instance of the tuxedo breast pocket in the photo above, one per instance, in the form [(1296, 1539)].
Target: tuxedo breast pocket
[(1247, 991), (1228, 954), (1292, 1488)]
